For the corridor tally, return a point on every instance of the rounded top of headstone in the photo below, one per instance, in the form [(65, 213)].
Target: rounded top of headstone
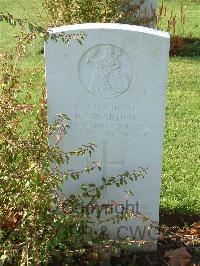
[(108, 26)]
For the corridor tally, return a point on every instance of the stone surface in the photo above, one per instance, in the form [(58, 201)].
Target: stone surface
[(143, 9), (113, 88)]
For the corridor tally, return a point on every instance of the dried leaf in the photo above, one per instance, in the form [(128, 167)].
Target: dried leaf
[(12, 220), (179, 257)]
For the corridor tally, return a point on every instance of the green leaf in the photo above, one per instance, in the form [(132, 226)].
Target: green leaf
[(98, 193), (98, 213), (84, 187), (91, 185), (79, 41), (104, 179)]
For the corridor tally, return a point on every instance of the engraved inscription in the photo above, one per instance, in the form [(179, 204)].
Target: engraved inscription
[(105, 159), (106, 70), (106, 163), (108, 120)]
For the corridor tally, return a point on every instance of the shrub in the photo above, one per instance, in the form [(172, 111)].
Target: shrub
[(62, 12), (167, 20), (37, 221)]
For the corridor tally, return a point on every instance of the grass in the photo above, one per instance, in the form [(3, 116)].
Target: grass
[(8, 35), (181, 161), (191, 10)]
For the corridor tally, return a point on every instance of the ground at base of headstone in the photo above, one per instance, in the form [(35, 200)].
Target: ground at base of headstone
[(178, 245)]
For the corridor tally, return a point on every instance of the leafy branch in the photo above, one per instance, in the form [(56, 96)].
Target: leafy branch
[(35, 30)]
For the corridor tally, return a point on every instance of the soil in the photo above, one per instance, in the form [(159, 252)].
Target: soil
[(178, 219), (176, 231)]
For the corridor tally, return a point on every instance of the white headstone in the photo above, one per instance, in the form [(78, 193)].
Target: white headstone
[(113, 89)]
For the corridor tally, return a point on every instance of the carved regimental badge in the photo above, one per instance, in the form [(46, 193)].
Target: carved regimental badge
[(106, 70)]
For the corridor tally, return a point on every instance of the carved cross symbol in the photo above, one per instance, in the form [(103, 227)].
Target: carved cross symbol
[(106, 164)]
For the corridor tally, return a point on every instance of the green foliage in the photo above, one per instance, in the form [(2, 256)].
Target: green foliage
[(34, 30), (61, 12), (177, 20), (185, 14)]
